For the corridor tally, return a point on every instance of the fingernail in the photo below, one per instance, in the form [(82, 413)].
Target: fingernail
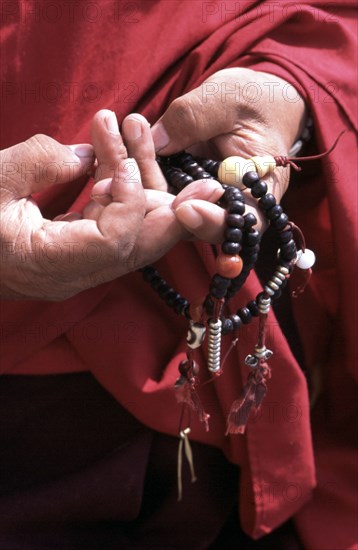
[(82, 150), (160, 136), (101, 188), (188, 216), (112, 123), (133, 128)]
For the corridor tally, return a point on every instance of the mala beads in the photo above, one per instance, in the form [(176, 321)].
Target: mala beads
[(237, 257)]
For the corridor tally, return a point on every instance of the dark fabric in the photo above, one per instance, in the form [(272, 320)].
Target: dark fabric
[(92, 477)]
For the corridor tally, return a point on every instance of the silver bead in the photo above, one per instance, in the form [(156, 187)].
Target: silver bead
[(263, 353), (276, 280), (251, 361), (214, 345), (264, 305), (282, 269), (269, 290), (273, 285), (279, 275)]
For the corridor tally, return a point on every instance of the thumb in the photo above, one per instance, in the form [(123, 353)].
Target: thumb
[(196, 116), (40, 162)]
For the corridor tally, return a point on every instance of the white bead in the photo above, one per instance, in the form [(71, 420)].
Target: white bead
[(264, 165), (305, 259), (196, 335), (232, 170)]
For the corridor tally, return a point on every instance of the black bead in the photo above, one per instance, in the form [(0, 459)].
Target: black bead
[(218, 292), (285, 236), (164, 290), (253, 259), (172, 297), (157, 282), (232, 193), (274, 212), (245, 315), (180, 305), (233, 234), (250, 178), (149, 273), (209, 305), (236, 207), (267, 201), (219, 281), (230, 248), (280, 222), (288, 250), (249, 220), (251, 237), (211, 166), (251, 250), (259, 189), (253, 307), (227, 325), (236, 321), (235, 220)]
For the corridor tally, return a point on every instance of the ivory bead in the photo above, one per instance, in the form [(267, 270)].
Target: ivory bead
[(232, 170), (264, 165), (229, 266), (305, 259)]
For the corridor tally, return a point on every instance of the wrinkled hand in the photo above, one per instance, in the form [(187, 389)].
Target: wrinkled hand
[(123, 228), (235, 112)]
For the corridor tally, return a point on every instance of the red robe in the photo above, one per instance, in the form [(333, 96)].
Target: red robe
[(61, 65)]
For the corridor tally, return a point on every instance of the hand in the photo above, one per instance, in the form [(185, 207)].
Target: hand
[(122, 229), (235, 112)]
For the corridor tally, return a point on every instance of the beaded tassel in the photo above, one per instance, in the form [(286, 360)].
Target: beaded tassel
[(186, 390), (255, 388)]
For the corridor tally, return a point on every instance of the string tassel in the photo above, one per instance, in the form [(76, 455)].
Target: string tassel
[(255, 388), (184, 444), (249, 401), (186, 390)]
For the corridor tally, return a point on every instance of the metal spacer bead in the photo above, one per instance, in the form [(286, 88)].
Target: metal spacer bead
[(251, 361), (282, 269), (269, 290), (273, 285), (279, 275), (276, 280)]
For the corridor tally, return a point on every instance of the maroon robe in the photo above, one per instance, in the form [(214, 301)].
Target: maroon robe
[(61, 65)]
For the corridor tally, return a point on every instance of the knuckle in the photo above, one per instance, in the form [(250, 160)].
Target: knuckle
[(185, 111)]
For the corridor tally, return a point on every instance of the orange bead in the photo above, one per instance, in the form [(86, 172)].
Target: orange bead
[(229, 266)]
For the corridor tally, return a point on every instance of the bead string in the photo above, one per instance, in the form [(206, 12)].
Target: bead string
[(238, 255)]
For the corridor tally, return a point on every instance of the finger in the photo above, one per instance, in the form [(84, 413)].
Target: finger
[(139, 143), (207, 189), (101, 192), (108, 143), (204, 220), (159, 233), (156, 199), (40, 162), (68, 217), (192, 118), (128, 202)]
